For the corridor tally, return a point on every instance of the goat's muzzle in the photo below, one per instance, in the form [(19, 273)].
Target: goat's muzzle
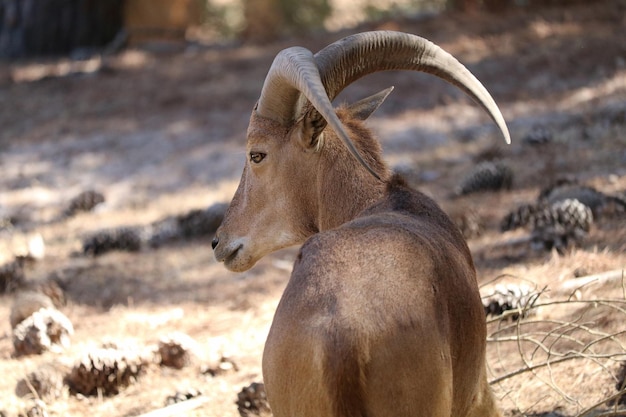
[(231, 253)]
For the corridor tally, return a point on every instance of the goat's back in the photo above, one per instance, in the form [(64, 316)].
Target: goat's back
[(381, 317)]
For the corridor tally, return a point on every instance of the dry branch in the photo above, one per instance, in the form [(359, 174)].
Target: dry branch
[(603, 277), (547, 342)]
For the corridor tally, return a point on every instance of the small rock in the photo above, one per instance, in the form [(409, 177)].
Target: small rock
[(36, 408), (224, 366), (181, 396), (85, 201), (45, 382), (538, 135)]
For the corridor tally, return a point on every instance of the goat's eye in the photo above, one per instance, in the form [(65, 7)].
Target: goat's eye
[(256, 157)]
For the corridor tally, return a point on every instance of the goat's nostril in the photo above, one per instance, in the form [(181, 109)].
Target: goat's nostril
[(214, 242)]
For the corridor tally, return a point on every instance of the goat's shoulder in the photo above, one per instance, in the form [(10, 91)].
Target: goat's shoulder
[(401, 198), (390, 235), (404, 219), (393, 251), (413, 210)]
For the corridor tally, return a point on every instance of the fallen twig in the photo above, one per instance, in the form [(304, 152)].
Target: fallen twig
[(608, 276)]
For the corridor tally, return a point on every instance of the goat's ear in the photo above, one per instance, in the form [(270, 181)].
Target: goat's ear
[(310, 128), (313, 124), (364, 108)]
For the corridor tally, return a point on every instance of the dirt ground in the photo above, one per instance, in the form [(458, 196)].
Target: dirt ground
[(160, 130)]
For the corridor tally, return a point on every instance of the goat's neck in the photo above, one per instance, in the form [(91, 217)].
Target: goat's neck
[(344, 187), (344, 191)]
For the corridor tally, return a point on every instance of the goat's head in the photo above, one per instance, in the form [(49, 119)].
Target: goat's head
[(299, 177)]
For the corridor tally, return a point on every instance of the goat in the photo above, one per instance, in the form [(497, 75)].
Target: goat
[(381, 315)]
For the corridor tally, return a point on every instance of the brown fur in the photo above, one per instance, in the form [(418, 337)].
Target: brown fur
[(382, 315), (388, 305)]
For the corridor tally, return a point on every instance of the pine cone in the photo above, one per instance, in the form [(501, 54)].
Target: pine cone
[(538, 135), (252, 400), (200, 223), (176, 350), (502, 298), (588, 196), (486, 176), (520, 217), (46, 329), (163, 232), (599, 202), (562, 224), (106, 371), (123, 239), (84, 201)]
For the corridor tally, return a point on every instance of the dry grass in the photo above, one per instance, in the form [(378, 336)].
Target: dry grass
[(161, 134)]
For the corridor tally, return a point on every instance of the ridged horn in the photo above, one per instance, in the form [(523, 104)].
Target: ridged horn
[(345, 61), (292, 73)]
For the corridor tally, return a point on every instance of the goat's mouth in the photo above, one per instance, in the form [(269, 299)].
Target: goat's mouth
[(233, 257), (226, 253)]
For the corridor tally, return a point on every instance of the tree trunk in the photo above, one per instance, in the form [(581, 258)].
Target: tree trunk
[(464, 5), (54, 27), (475, 5)]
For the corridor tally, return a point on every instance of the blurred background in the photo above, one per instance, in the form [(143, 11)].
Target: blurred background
[(48, 27)]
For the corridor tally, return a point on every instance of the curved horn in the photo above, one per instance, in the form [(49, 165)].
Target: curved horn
[(353, 57), (293, 72)]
